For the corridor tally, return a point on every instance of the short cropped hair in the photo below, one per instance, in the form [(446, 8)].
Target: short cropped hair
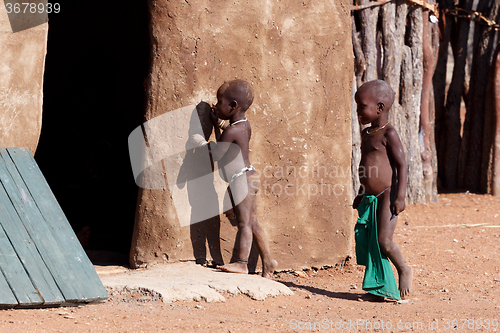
[(380, 90), (238, 90)]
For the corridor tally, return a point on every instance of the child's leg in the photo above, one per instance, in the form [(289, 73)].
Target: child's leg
[(249, 230), (386, 228), (227, 200), (269, 265)]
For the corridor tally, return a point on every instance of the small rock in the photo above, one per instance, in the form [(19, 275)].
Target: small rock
[(404, 301), (301, 274)]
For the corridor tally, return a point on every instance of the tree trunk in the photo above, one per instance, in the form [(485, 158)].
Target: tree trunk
[(415, 173), (356, 147), (472, 144), (389, 75), (487, 163), (359, 57), (439, 83), (425, 119), (432, 117), (459, 38), (496, 150), (369, 18)]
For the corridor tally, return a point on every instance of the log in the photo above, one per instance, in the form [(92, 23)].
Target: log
[(356, 146), (452, 138), (415, 173), (399, 36), (439, 84), (425, 118), (496, 150), (489, 129), (432, 116), (388, 14), (359, 57), (368, 18), (470, 164)]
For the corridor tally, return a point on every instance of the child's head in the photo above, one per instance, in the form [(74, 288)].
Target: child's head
[(237, 94), (373, 98)]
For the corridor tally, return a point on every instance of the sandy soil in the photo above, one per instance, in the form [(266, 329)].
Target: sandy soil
[(452, 247)]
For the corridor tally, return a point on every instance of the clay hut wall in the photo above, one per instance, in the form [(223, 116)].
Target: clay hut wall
[(23, 44), (298, 57)]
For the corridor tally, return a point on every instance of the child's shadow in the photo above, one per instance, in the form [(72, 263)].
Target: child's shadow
[(196, 173), (203, 196), (327, 293)]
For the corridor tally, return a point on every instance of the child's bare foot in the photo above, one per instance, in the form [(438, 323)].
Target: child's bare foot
[(405, 280), (240, 267), (269, 268)]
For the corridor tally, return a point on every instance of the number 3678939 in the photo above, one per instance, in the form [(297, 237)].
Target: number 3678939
[(31, 7)]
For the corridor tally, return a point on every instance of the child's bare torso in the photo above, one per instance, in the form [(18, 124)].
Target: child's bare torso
[(375, 167), (239, 146)]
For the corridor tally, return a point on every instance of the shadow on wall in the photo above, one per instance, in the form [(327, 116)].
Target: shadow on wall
[(199, 178)]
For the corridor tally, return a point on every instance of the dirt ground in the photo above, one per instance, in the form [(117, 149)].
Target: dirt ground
[(452, 247)]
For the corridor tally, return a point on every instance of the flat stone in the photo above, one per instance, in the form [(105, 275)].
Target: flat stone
[(186, 281)]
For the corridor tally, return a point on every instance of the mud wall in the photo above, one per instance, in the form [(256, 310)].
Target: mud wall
[(297, 55), (23, 44)]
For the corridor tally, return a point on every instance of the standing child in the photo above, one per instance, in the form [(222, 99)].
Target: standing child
[(233, 100), (381, 198)]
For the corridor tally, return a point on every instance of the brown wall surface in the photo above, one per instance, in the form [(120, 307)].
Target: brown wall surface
[(298, 57), (21, 78)]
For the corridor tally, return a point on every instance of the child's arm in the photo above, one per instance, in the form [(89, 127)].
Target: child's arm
[(359, 197), (396, 150), (223, 143), (219, 148)]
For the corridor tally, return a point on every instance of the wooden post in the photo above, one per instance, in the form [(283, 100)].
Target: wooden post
[(439, 84), (425, 120), (369, 18), (459, 38), (496, 149), (471, 150)]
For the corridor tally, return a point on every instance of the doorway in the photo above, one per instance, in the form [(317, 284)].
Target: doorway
[(97, 60)]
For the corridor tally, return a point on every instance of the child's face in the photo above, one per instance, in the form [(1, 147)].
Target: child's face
[(223, 107), (367, 107)]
